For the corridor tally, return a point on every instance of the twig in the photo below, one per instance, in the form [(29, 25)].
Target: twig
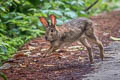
[(91, 5)]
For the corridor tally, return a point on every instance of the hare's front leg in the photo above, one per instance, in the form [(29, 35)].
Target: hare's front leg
[(53, 47)]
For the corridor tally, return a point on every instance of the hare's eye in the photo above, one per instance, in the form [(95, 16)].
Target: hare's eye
[(52, 30)]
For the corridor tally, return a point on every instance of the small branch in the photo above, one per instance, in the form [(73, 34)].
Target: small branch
[(91, 5)]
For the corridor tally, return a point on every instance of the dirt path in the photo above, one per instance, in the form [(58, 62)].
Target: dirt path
[(110, 68), (70, 63)]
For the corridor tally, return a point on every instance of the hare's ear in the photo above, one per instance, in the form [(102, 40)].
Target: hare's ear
[(53, 19), (44, 21)]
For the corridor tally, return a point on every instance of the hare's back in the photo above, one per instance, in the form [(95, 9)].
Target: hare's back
[(78, 23)]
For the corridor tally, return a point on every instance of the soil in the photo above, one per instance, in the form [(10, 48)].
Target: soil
[(68, 63)]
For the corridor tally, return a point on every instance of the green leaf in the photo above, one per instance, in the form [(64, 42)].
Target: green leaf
[(3, 76), (47, 6), (71, 14), (3, 9), (17, 1)]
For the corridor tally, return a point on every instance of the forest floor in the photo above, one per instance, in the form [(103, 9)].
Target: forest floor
[(71, 62)]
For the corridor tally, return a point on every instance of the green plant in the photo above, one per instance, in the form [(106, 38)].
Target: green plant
[(3, 76)]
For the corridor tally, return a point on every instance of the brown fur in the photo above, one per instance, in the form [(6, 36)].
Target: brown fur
[(80, 29)]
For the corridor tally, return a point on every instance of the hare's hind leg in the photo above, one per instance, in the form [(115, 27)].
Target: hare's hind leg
[(92, 37), (84, 41)]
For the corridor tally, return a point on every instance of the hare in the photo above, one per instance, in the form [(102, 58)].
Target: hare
[(80, 29)]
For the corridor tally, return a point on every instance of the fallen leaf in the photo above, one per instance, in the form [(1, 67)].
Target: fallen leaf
[(22, 65), (114, 38), (31, 47), (48, 65)]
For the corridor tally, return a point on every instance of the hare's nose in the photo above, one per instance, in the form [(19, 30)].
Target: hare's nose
[(46, 38)]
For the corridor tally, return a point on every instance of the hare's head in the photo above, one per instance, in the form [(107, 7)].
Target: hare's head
[(51, 32)]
